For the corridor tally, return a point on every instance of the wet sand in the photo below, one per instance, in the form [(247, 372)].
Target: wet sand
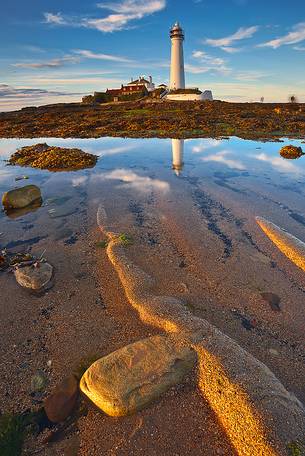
[(86, 315), (201, 244)]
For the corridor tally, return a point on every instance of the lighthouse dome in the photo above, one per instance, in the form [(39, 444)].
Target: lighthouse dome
[(176, 31), (176, 26)]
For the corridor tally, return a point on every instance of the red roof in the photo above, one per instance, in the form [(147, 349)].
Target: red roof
[(114, 92)]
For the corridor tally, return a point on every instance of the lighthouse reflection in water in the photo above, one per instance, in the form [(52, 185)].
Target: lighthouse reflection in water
[(178, 150)]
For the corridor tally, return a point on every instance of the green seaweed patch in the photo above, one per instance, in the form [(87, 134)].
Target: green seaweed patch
[(102, 244), (15, 428), (296, 449), (53, 158), (125, 239)]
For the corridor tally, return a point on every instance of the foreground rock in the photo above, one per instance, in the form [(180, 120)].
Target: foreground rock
[(61, 402), (21, 197), (291, 152), (131, 378), (34, 277), (53, 158)]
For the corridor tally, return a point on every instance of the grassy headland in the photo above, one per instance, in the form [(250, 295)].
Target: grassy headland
[(157, 119)]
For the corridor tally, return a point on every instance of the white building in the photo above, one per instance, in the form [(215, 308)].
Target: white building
[(150, 86)]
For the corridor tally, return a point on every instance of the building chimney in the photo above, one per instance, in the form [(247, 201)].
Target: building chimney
[(150, 79)]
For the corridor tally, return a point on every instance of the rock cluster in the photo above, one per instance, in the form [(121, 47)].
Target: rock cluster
[(53, 158), (291, 152)]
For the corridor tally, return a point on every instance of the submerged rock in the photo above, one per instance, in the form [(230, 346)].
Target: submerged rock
[(16, 213), (35, 277), (61, 402), (291, 152), (53, 158), (131, 378), (21, 197), (39, 382)]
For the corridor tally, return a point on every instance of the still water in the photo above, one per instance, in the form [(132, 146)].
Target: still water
[(244, 173), (190, 208)]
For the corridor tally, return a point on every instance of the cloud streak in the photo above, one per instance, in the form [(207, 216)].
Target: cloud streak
[(226, 43), (296, 35), (207, 63), (54, 63), (93, 55), (132, 180), (121, 14), (223, 157), (7, 91)]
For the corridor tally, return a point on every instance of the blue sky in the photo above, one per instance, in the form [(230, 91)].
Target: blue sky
[(58, 50)]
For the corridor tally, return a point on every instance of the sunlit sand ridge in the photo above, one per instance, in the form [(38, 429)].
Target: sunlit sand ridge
[(291, 246), (229, 377)]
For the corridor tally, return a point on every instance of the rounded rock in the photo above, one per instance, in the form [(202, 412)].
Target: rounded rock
[(21, 197), (34, 277)]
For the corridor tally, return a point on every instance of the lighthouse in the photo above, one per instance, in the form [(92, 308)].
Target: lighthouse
[(177, 79), (177, 90), (177, 150)]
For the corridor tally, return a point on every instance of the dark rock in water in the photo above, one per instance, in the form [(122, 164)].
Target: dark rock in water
[(34, 277), (21, 197), (61, 402), (273, 300), (33, 207), (291, 152)]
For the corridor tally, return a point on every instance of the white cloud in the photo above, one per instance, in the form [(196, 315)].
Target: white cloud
[(295, 36), (230, 49), (249, 75), (54, 63), (207, 63), (139, 183), (206, 144), (122, 13), (222, 157), (299, 48), (279, 163), (241, 34), (56, 18), (79, 181), (92, 55), (134, 6), (14, 98)]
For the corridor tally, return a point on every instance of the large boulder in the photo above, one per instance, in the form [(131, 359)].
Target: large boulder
[(61, 402), (291, 152), (35, 277), (21, 197), (132, 377)]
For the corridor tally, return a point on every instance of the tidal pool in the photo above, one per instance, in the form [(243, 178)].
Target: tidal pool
[(250, 174), (189, 207)]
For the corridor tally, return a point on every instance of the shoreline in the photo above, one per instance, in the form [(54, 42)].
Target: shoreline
[(157, 120)]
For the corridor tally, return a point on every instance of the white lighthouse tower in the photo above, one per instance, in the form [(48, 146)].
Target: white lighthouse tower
[(177, 78), (177, 150), (177, 90)]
